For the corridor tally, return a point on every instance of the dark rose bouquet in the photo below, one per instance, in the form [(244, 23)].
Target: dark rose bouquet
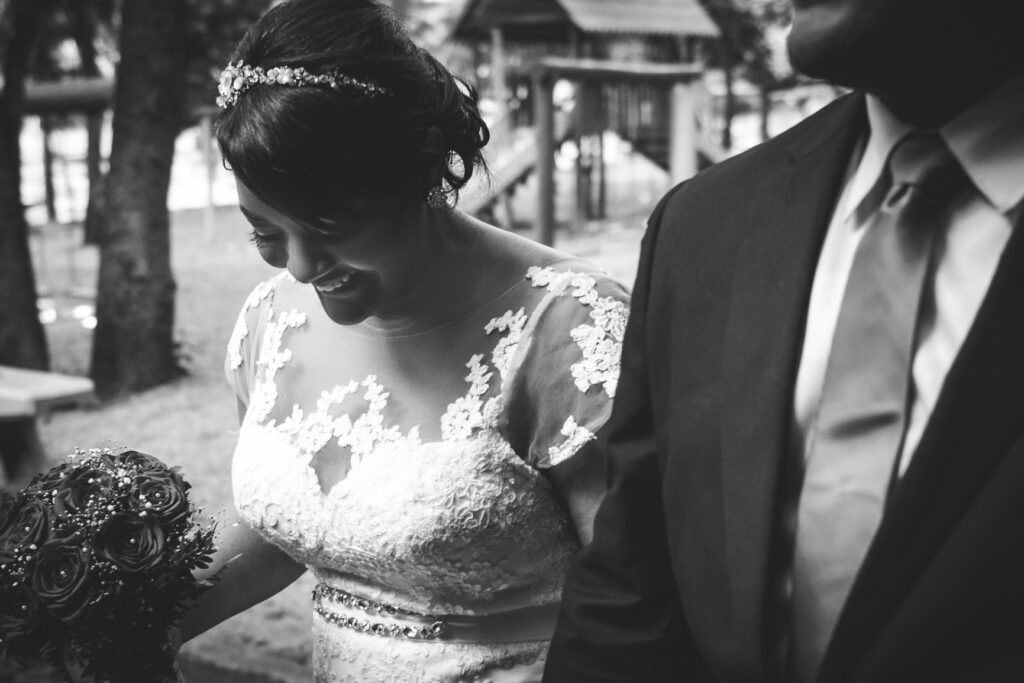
[(96, 566)]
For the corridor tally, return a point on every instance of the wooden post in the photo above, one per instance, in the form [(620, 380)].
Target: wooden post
[(50, 196), (499, 82), (682, 139), (544, 125), (602, 190), (766, 111), (210, 159)]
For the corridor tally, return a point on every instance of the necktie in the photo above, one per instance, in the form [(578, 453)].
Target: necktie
[(862, 416)]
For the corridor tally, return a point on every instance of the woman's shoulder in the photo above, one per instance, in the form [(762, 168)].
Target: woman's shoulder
[(256, 308), (565, 369), (516, 257), (264, 291)]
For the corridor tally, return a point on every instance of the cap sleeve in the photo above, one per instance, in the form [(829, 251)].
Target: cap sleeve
[(562, 379), (243, 346)]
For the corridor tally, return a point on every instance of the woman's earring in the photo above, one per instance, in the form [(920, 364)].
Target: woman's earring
[(436, 198)]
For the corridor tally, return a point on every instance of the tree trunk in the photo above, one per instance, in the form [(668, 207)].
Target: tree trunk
[(84, 31), (133, 347), (22, 342)]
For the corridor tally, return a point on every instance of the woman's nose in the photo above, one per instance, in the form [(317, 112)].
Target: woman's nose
[(306, 260)]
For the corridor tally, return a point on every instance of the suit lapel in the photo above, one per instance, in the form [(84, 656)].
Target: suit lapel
[(775, 268), (979, 414)]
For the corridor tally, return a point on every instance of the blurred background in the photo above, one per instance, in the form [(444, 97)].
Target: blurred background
[(124, 260)]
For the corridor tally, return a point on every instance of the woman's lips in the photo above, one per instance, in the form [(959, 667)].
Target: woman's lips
[(337, 283)]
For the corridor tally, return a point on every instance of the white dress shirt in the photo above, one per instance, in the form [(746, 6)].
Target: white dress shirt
[(988, 142)]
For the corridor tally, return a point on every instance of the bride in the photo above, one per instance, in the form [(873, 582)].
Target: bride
[(419, 391)]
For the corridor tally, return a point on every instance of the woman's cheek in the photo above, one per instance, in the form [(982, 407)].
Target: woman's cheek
[(274, 256)]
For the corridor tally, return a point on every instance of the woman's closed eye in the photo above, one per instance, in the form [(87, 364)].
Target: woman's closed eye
[(262, 240)]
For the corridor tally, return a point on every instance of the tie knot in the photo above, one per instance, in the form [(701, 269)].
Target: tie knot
[(924, 161)]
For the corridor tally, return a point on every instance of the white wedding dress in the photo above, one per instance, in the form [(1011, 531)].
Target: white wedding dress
[(407, 472)]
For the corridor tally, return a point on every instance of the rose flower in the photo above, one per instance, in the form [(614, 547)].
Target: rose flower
[(29, 525), (60, 578), (163, 495), (75, 490), (145, 462), (23, 634), (132, 542)]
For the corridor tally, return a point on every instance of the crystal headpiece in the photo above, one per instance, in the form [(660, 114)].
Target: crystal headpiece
[(235, 79)]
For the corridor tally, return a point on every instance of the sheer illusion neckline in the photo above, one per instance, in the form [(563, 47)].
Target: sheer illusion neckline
[(369, 330), (313, 425)]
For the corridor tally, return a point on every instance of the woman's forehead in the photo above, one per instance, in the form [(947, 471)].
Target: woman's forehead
[(251, 204)]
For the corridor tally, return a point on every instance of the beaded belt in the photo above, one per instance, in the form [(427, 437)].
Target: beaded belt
[(520, 625), (428, 628)]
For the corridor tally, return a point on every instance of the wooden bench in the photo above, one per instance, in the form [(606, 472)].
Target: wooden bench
[(26, 396)]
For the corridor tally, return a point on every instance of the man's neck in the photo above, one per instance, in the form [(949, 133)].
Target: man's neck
[(933, 100)]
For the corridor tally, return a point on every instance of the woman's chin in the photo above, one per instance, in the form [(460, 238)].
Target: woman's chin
[(347, 317), (353, 305)]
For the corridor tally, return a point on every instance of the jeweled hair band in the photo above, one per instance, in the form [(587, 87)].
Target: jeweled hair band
[(236, 79)]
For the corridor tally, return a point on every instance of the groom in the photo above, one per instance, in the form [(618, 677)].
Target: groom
[(816, 461)]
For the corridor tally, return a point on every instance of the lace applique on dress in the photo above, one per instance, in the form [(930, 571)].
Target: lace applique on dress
[(470, 413), (241, 329), (600, 343), (271, 359), (512, 325), (575, 435), (312, 431)]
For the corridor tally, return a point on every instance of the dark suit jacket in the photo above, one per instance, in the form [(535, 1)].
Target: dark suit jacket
[(680, 583)]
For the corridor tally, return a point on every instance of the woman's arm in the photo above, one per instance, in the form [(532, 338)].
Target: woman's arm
[(245, 570), (579, 483)]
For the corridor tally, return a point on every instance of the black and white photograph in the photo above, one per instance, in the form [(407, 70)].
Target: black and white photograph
[(511, 341)]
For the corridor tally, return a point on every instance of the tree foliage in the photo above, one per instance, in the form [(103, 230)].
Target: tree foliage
[(748, 28), (213, 29)]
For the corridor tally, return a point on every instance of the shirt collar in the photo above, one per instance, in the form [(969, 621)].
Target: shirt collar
[(987, 140)]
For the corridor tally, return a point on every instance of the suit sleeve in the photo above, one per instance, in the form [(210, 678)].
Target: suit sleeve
[(621, 617)]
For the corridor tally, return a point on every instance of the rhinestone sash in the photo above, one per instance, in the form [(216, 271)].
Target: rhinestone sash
[(416, 626), (341, 608)]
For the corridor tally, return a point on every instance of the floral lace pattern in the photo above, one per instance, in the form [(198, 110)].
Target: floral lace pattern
[(459, 526), (600, 343), (261, 292), (575, 435)]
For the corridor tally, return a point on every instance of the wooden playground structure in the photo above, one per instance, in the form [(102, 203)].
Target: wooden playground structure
[(630, 68)]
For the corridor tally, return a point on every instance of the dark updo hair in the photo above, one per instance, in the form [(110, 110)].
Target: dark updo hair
[(302, 149)]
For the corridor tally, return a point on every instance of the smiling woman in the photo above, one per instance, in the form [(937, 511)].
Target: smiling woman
[(421, 393)]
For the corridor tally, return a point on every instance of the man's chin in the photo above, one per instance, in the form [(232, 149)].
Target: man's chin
[(828, 41), (827, 56)]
